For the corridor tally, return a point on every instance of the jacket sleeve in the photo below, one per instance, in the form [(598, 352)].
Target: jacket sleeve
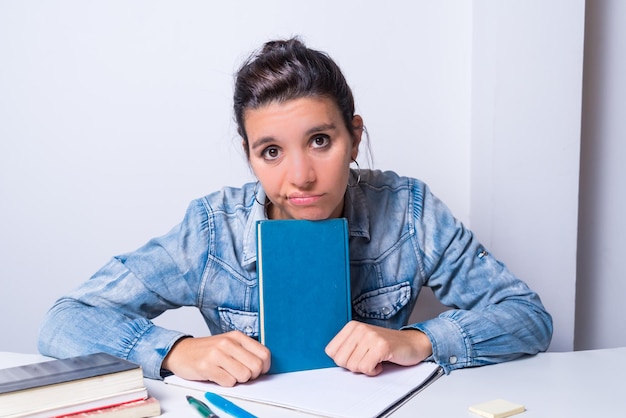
[(495, 316), (112, 311)]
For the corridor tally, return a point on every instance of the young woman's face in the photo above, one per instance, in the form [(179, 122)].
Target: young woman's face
[(300, 151)]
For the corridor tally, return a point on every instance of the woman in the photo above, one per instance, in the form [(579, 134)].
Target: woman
[(295, 114)]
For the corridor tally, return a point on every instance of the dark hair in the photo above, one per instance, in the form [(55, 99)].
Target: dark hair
[(284, 70)]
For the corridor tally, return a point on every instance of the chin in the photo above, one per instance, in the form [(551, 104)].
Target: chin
[(311, 215)]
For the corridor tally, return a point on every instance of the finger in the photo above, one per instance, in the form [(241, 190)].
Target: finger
[(261, 352), (362, 349), (224, 360), (231, 371), (222, 377), (367, 354), (342, 351), (339, 340), (356, 356), (244, 358)]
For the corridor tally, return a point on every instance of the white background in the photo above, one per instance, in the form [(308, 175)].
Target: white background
[(114, 115)]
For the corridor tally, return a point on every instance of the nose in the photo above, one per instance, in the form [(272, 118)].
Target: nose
[(301, 170)]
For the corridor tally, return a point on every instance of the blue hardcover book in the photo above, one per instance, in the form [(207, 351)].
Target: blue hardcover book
[(303, 269)]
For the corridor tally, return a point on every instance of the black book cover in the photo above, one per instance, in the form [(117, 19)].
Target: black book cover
[(60, 371)]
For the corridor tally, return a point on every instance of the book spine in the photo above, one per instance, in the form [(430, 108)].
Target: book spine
[(259, 260), (349, 281)]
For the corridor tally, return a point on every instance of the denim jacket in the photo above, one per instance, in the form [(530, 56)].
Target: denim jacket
[(401, 239)]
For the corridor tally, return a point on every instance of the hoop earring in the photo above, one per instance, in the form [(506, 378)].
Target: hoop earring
[(256, 188), (358, 177)]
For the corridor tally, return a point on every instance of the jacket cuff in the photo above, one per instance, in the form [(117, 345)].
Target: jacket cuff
[(451, 347), (150, 348)]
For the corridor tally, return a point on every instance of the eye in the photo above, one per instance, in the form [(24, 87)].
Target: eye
[(270, 153), (320, 141)]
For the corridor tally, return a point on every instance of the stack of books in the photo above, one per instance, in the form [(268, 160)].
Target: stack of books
[(93, 385)]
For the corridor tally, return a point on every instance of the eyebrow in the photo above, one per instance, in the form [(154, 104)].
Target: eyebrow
[(319, 128), (261, 142)]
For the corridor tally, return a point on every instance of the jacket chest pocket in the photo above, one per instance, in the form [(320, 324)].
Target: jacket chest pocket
[(382, 303), (236, 320)]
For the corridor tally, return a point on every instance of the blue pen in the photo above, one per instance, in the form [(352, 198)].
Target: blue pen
[(227, 406)]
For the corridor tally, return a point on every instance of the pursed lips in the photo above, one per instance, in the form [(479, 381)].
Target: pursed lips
[(303, 200)]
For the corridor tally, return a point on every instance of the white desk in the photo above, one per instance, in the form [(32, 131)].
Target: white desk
[(574, 384)]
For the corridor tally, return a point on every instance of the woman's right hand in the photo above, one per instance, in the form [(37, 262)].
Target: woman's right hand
[(225, 359)]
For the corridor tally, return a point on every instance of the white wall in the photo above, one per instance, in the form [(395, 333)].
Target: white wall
[(113, 115), (526, 104), (602, 228)]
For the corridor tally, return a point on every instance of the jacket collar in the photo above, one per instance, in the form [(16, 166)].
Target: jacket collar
[(355, 209), (257, 213)]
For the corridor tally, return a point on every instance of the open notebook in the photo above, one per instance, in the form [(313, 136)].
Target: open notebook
[(331, 392)]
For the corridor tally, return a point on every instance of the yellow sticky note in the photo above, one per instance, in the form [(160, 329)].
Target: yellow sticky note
[(498, 408)]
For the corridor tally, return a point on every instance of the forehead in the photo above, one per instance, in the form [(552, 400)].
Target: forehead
[(301, 112)]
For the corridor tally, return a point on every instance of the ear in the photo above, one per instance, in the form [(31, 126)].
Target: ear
[(357, 128), (244, 144)]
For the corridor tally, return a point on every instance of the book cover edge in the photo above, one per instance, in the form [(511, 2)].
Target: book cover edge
[(41, 378), (348, 314)]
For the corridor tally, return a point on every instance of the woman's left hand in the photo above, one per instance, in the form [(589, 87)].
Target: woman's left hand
[(362, 348)]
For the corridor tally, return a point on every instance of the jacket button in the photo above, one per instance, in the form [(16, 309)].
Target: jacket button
[(452, 359)]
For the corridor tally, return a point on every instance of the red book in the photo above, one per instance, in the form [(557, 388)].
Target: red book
[(149, 407)]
